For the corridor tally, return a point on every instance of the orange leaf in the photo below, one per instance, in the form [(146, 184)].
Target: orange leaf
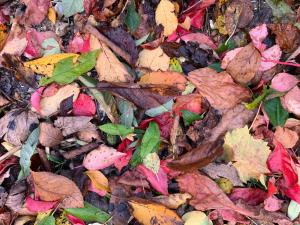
[(98, 179)]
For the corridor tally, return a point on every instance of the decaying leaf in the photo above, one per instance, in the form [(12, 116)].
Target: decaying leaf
[(71, 125), (246, 151), (219, 88), (291, 101), (165, 15), (52, 187), (147, 213), (49, 135), (284, 82), (288, 138), (154, 59), (173, 201)]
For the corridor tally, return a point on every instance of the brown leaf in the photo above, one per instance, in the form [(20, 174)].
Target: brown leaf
[(149, 213), (16, 125), (206, 194), (141, 97), (3, 101), (154, 59), (49, 135), (173, 201), (245, 64), (52, 187), (16, 196), (197, 157), (71, 125), (134, 178), (89, 134), (288, 138), (218, 88), (287, 35)]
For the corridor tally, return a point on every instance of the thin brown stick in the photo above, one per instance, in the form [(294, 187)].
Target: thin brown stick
[(89, 28), (9, 153), (44, 159), (83, 149)]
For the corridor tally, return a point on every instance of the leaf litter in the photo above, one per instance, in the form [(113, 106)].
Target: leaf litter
[(149, 112)]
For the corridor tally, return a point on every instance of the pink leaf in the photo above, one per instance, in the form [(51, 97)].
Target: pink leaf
[(229, 56), (258, 34), (273, 53), (35, 99), (36, 11), (84, 106), (101, 158), (88, 6), (179, 32), (158, 181), (38, 206), (51, 90), (284, 82), (79, 44), (251, 196), (200, 38), (97, 191), (272, 204), (228, 215), (291, 101), (74, 220)]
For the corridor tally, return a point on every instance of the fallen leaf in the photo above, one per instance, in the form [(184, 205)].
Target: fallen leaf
[(173, 201), (79, 44), (16, 196), (245, 151), (165, 15), (99, 181), (146, 212), (288, 138), (3, 101), (21, 220), (50, 105), (101, 158), (276, 113), (108, 67), (200, 38), (251, 196), (154, 59), (229, 56), (52, 187), (291, 101), (38, 206), (272, 204), (84, 106), (258, 34), (219, 88), (191, 102), (49, 135), (36, 11), (244, 65), (71, 125), (228, 215), (71, 7), (293, 210), (196, 217), (152, 162), (134, 178), (52, 15), (274, 54), (284, 82)]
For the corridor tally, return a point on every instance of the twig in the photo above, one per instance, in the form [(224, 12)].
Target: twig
[(83, 149), (173, 136), (9, 153), (89, 28)]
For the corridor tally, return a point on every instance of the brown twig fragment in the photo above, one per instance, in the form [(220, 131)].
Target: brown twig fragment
[(9, 153), (83, 149)]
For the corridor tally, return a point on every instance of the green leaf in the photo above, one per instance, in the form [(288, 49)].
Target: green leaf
[(66, 72), (71, 7), (216, 67), (142, 40), (132, 19), (293, 210), (280, 8), (175, 65), (127, 112), (27, 151), (116, 129), (277, 114), (89, 213), (189, 117), (255, 103), (49, 220), (166, 107), (50, 46), (225, 46)]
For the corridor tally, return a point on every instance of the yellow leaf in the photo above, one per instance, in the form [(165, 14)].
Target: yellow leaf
[(62, 219), (173, 201), (3, 35), (108, 67), (146, 212), (41, 216), (249, 155), (196, 218), (165, 15), (154, 59), (220, 24), (45, 65), (98, 179), (225, 184), (52, 15)]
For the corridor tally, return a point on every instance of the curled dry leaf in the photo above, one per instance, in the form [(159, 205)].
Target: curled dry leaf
[(165, 15), (219, 88), (257, 35), (146, 212), (244, 65), (71, 125), (284, 82), (49, 135), (173, 201), (52, 187), (291, 101), (288, 138), (36, 11), (50, 105), (154, 59), (108, 67)]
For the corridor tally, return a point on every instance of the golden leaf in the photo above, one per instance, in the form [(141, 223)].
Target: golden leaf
[(98, 179), (165, 16), (52, 15), (173, 201), (154, 59), (45, 65)]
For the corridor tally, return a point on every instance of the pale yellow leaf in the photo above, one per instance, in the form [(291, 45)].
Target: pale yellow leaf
[(152, 162), (196, 218), (248, 154), (172, 201), (154, 59), (62, 220), (41, 216), (165, 15), (23, 219), (108, 67), (98, 179), (45, 65)]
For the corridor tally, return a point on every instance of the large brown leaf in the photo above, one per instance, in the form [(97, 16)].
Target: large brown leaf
[(52, 187), (49, 135), (245, 64), (141, 97), (219, 88)]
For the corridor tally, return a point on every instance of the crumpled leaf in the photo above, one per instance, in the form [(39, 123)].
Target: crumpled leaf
[(272, 204), (288, 138), (258, 34), (244, 65), (191, 102), (36, 11), (53, 187), (219, 88), (273, 53), (154, 59), (196, 217), (146, 212), (284, 82), (71, 7), (99, 181), (291, 101), (173, 201), (101, 158), (251, 196), (108, 67), (84, 106), (16, 196), (38, 206), (71, 125), (200, 38), (245, 151), (165, 15), (79, 44), (49, 135)]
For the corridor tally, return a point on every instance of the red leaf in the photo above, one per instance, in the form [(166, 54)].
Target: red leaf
[(228, 215), (88, 6), (200, 38), (35, 98), (7, 163), (84, 106), (190, 102), (79, 44), (124, 160), (272, 189), (251, 196), (36, 11), (293, 192), (179, 32), (158, 181), (74, 220), (51, 90), (38, 206)]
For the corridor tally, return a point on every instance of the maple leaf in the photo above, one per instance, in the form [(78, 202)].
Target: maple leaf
[(246, 151)]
